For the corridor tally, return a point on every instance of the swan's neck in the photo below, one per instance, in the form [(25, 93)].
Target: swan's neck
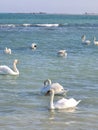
[(15, 68), (83, 38), (51, 99), (94, 39)]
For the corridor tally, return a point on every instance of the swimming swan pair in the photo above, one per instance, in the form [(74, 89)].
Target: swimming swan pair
[(53, 89)]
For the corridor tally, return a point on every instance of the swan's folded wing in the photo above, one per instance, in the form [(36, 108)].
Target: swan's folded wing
[(56, 85), (66, 103), (62, 100), (61, 104), (72, 102)]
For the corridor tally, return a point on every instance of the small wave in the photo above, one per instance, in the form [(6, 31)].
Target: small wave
[(40, 25), (49, 25), (27, 25), (7, 25)]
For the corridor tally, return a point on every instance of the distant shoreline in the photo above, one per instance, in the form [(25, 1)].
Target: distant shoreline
[(41, 13)]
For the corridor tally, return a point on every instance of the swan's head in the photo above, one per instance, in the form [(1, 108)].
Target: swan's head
[(16, 61), (47, 82)]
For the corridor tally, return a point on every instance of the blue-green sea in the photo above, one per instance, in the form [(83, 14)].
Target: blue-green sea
[(22, 106)]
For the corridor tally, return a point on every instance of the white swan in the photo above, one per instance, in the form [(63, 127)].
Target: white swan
[(6, 70), (62, 103), (95, 42), (58, 89), (84, 41), (33, 46), (62, 53), (7, 50)]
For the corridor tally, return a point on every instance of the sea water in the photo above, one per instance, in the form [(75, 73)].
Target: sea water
[(22, 106)]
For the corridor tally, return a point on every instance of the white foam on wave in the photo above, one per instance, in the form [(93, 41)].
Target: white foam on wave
[(48, 25), (26, 25)]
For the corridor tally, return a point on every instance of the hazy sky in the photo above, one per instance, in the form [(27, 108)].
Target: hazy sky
[(50, 6)]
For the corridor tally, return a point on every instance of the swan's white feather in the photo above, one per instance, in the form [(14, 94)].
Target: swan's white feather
[(66, 103), (62, 103), (58, 89)]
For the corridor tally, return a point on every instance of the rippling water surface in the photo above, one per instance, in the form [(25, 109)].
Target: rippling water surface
[(21, 104)]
